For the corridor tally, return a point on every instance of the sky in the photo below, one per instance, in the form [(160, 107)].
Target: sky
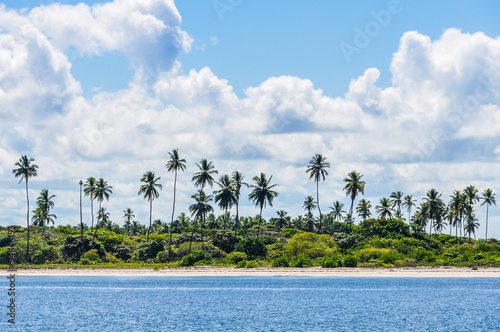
[(405, 92)]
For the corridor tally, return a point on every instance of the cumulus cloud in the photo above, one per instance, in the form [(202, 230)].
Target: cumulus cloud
[(401, 137)]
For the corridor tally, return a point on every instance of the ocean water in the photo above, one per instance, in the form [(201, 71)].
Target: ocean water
[(254, 304)]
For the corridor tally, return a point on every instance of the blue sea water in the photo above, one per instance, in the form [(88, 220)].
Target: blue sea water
[(254, 304)]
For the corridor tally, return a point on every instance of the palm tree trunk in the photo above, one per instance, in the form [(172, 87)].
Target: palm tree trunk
[(92, 212), (150, 216), (236, 223), (317, 201), (173, 210), (28, 224), (192, 233), (486, 236), (95, 229), (223, 232), (258, 231)]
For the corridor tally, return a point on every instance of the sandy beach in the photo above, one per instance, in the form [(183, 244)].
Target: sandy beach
[(208, 271)]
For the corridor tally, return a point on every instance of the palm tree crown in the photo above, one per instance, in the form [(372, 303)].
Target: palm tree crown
[(262, 194), (204, 175), (317, 171), (488, 199), (150, 191), (384, 210), (363, 209)]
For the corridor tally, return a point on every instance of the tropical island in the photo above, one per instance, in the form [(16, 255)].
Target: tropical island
[(401, 234)]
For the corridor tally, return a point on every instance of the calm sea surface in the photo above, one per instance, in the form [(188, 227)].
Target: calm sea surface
[(254, 304)]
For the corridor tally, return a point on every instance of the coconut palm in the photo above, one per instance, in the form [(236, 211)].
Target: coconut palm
[(337, 212), (317, 171), (45, 203), (26, 169), (102, 192), (262, 195), (175, 164), (471, 225), (488, 199), (237, 182), (397, 201), (408, 203), (363, 209), (103, 219), (282, 218), (42, 217), (150, 191), (203, 177), (353, 187), (225, 196), (434, 202), (90, 189), (199, 209), (309, 206), (384, 209), (128, 215)]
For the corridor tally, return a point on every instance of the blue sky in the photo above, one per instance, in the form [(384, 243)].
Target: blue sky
[(253, 85)]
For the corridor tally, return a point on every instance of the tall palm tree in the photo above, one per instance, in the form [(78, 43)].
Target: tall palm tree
[(262, 194), (337, 212), (471, 225), (226, 198), (384, 209), (488, 199), (203, 177), (309, 206), (317, 171), (102, 192), (150, 191), (436, 207), (353, 187), (175, 164), (397, 201), (282, 218), (45, 203), (237, 182), (199, 209), (26, 169), (90, 190), (409, 202), (128, 215), (363, 209)]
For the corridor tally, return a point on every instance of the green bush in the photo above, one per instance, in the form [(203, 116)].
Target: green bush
[(123, 252), (236, 257), (112, 259), (350, 261), (85, 261), (251, 264), (252, 247), (148, 250), (162, 257), (331, 261), (194, 257), (301, 261), (291, 232), (203, 262), (93, 256), (311, 245), (280, 262)]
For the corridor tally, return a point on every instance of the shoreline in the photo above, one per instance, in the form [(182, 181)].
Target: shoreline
[(209, 271)]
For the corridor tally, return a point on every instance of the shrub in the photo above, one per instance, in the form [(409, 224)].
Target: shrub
[(85, 261), (251, 264), (203, 262), (194, 257), (148, 250), (183, 250), (162, 257), (93, 256), (280, 262), (123, 252), (301, 261), (311, 245), (291, 232), (45, 254), (331, 261), (252, 247), (110, 239), (350, 261), (369, 253), (112, 259), (236, 257)]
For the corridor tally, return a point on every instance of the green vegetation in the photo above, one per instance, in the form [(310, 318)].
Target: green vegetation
[(329, 240)]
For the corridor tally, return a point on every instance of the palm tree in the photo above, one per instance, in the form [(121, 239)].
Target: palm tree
[(457, 208), (203, 177), (103, 218), (408, 202), (317, 171), (150, 191), (128, 215), (353, 186), (199, 209), (309, 205), (397, 201), (363, 209), (26, 168), (337, 212), (488, 199), (384, 210), (282, 218), (90, 190), (226, 197), (45, 203), (262, 194), (175, 164), (237, 182), (102, 192), (434, 202), (471, 225), (42, 217)]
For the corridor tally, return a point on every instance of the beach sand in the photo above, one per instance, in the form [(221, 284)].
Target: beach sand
[(209, 271)]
